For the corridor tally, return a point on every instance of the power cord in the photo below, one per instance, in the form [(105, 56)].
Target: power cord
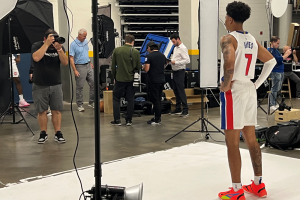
[(71, 29), (72, 97)]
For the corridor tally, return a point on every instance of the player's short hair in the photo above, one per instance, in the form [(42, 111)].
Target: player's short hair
[(238, 11), (274, 39)]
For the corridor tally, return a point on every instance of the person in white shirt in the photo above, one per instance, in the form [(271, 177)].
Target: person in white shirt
[(16, 78), (179, 61)]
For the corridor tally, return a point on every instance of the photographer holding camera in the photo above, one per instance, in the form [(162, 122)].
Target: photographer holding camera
[(47, 56), (288, 72), (277, 74)]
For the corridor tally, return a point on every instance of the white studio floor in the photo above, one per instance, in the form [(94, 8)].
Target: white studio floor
[(192, 172)]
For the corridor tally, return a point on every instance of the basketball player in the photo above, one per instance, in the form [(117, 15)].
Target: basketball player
[(238, 97), (16, 78)]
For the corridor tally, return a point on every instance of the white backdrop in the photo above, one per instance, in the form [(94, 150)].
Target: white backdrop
[(209, 41)]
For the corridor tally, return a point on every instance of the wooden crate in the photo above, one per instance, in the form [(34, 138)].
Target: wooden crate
[(285, 116), (108, 102)]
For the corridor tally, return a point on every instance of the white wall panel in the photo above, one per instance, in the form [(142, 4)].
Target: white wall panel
[(55, 14), (258, 20)]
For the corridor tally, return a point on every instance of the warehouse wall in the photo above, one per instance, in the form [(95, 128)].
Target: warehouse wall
[(188, 16), (188, 23), (82, 18)]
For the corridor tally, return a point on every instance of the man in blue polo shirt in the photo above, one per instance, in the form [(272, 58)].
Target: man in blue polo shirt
[(82, 67), (277, 75)]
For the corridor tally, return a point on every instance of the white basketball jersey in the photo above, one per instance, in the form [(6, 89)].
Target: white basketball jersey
[(245, 57)]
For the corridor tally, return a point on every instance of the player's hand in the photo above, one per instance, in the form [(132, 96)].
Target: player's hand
[(226, 88), (30, 77), (50, 40), (76, 73), (57, 46)]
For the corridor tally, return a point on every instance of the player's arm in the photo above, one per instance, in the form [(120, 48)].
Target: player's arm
[(228, 50), (265, 56)]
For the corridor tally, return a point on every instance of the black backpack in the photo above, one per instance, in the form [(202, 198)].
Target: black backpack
[(283, 136)]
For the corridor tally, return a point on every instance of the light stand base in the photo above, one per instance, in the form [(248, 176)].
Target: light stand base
[(203, 121), (16, 109)]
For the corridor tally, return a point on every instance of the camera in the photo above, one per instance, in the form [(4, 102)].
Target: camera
[(136, 82), (283, 106), (58, 39), (295, 48)]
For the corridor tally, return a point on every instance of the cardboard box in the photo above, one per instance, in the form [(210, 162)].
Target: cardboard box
[(194, 101), (284, 116), (293, 27), (108, 102)]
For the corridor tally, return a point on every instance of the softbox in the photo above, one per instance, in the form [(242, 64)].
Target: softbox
[(30, 19), (209, 41), (5, 84), (106, 36)]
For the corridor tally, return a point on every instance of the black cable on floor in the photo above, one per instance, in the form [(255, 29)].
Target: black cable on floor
[(72, 97)]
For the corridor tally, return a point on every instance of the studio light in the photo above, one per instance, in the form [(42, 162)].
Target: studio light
[(119, 193)]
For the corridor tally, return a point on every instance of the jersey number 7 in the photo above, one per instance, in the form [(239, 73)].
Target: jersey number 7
[(249, 58)]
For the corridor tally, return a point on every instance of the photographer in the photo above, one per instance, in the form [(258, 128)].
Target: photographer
[(277, 74), (154, 65), (125, 60), (288, 72), (47, 56)]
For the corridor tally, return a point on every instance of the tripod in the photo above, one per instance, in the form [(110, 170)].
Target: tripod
[(202, 120), (13, 107)]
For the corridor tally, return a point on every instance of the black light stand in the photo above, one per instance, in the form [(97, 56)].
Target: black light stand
[(202, 119), (98, 167), (13, 107)]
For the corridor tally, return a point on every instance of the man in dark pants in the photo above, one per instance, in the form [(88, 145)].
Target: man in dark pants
[(125, 60), (288, 72), (154, 64), (179, 60)]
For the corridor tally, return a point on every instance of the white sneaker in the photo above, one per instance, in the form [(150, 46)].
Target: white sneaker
[(273, 108), (277, 106), (49, 113), (92, 105), (80, 109)]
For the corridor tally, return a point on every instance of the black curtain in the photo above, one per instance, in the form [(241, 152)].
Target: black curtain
[(4, 78)]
